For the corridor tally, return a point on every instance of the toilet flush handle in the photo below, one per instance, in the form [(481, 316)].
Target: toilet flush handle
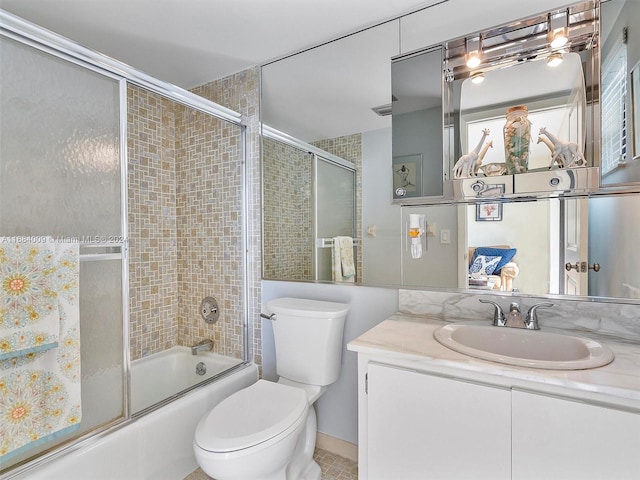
[(269, 317)]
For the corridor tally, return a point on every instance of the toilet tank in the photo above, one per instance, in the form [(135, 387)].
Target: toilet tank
[(308, 339)]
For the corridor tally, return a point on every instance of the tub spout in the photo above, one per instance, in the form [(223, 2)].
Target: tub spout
[(202, 346)]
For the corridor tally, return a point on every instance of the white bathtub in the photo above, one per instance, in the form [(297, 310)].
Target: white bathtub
[(158, 445), (167, 373)]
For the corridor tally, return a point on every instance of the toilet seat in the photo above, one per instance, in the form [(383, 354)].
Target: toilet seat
[(252, 416)]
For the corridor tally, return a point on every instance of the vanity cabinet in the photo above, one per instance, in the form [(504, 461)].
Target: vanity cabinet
[(568, 439), (425, 426), (418, 423)]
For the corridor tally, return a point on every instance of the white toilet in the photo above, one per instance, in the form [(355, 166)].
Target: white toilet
[(267, 431)]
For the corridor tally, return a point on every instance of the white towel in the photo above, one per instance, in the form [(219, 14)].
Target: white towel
[(343, 267), (40, 396)]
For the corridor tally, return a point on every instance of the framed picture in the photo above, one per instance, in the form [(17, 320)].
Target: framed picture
[(407, 176), (635, 109), (489, 212)]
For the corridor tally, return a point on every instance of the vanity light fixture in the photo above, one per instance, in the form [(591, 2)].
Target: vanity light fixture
[(473, 52), (554, 59), (558, 30), (477, 78)]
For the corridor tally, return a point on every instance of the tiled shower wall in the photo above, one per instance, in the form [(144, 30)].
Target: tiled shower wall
[(240, 92), (185, 218), (288, 232), (153, 259), (209, 230)]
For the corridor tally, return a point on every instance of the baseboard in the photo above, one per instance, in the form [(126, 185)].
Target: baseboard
[(337, 446)]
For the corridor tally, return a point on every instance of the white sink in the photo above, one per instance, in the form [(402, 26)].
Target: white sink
[(526, 348)]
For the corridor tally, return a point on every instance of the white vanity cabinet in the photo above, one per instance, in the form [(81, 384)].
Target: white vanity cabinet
[(557, 438), (422, 422), (422, 426)]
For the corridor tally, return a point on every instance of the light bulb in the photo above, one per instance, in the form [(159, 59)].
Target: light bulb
[(473, 59), (559, 38), (477, 77)]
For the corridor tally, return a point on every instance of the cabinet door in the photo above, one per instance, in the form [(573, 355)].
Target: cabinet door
[(423, 426), (557, 438)]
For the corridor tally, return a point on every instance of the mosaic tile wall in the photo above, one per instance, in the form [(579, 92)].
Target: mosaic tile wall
[(185, 207), (349, 147), (209, 229), (240, 92), (153, 261), (288, 231)]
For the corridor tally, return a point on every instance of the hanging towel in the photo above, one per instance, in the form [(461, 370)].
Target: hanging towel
[(40, 390), (31, 281), (343, 267)]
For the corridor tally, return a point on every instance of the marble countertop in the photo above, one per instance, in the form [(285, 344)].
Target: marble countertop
[(407, 341)]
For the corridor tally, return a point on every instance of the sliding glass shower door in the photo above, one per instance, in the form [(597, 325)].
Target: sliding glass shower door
[(62, 239), (335, 212)]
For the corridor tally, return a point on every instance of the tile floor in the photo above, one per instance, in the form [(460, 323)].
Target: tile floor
[(333, 467)]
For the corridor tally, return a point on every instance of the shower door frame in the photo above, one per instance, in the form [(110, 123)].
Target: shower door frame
[(319, 243), (32, 35), (317, 153)]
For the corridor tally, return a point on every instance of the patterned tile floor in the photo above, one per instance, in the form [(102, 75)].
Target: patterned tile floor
[(333, 467)]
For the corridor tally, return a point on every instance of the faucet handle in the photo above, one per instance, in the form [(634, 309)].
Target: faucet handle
[(531, 321), (498, 315)]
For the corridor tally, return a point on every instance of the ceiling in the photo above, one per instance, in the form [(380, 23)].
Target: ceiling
[(191, 42)]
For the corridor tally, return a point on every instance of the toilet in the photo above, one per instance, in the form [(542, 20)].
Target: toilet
[(267, 431)]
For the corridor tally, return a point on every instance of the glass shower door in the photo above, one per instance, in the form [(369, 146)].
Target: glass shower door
[(60, 191), (334, 211)]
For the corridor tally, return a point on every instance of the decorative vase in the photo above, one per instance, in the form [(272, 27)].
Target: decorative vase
[(517, 137)]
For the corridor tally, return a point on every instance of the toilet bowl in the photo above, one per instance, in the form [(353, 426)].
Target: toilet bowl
[(267, 431), (253, 433)]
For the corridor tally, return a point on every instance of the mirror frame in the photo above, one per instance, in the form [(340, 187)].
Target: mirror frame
[(584, 27)]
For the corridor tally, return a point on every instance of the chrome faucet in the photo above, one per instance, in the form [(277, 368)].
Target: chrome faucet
[(202, 346), (531, 321), (514, 318), (499, 319)]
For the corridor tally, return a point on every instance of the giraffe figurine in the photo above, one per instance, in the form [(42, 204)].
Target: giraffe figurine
[(465, 166), (568, 151), (483, 152), (548, 143)]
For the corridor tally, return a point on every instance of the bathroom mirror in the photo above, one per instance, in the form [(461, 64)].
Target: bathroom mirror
[(620, 97), (518, 69), (313, 96), (553, 95), (417, 128)]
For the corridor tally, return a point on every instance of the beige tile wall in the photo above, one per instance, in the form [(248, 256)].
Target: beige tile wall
[(240, 92), (185, 226), (153, 260), (288, 233), (209, 230)]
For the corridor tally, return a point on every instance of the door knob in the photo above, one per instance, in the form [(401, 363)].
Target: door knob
[(582, 267), (568, 267)]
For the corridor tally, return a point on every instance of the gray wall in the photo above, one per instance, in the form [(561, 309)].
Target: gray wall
[(380, 253), (338, 408)]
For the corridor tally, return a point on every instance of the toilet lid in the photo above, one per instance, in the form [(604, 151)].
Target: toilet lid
[(251, 416)]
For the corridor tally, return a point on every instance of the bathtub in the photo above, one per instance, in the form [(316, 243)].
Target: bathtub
[(164, 374), (156, 445)]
